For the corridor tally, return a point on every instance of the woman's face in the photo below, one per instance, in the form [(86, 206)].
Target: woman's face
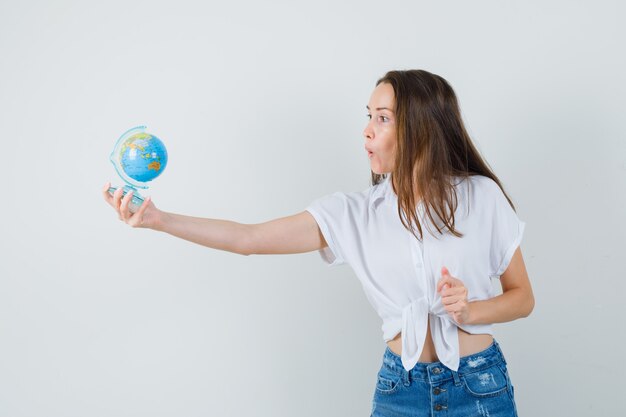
[(380, 132)]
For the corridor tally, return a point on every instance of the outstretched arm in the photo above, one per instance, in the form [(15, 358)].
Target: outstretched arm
[(297, 233), (292, 234)]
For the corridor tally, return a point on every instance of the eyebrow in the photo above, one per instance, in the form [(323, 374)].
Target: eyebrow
[(380, 108)]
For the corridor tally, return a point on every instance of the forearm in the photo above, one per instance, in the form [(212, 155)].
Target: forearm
[(509, 306), (214, 233)]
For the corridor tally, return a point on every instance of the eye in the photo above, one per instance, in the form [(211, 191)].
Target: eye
[(369, 116), (383, 118)]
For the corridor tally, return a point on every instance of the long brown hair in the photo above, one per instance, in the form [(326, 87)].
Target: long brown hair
[(432, 147)]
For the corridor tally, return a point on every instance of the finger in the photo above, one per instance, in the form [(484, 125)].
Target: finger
[(453, 291), (452, 300), (142, 210), (443, 281), (445, 278), (446, 292), (124, 208), (445, 273), (461, 303), (105, 192), (110, 197), (448, 302), (117, 196)]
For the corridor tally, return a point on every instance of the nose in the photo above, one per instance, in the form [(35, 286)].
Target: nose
[(368, 133)]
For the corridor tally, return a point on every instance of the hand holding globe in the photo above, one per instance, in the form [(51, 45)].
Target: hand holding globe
[(146, 216)]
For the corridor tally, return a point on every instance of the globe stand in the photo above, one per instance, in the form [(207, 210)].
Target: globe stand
[(135, 202)]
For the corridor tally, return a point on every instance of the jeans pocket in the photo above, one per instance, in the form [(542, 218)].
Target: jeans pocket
[(387, 381), (512, 391), (488, 382)]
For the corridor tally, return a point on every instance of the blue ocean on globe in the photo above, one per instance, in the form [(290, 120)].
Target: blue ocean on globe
[(143, 157)]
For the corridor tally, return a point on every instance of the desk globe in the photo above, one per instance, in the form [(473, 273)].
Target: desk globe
[(138, 157)]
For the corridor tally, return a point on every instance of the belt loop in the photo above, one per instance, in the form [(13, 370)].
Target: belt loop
[(457, 380), (406, 377), (499, 350)]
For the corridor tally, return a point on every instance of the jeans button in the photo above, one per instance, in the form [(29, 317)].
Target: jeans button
[(436, 391), (436, 371), (438, 407)]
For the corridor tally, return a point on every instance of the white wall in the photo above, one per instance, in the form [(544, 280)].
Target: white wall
[(262, 106)]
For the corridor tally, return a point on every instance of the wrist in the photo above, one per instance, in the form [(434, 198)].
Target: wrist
[(162, 221), (471, 312)]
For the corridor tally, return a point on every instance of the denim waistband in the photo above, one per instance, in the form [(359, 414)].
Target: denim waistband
[(437, 371)]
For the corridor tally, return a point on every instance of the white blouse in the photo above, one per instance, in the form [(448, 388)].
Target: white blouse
[(399, 274)]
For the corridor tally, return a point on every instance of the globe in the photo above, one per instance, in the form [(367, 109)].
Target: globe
[(138, 157)]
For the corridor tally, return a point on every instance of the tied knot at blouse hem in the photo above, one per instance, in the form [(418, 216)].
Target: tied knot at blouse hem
[(399, 273)]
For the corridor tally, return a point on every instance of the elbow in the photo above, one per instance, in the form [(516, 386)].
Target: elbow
[(245, 243), (529, 306), (243, 250)]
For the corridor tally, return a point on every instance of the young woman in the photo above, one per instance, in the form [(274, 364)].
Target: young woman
[(425, 240)]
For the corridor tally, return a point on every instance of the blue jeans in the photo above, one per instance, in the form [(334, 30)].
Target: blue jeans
[(481, 387)]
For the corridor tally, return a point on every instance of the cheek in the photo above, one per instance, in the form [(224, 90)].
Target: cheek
[(390, 143)]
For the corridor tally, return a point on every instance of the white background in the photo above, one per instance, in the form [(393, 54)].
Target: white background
[(262, 108)]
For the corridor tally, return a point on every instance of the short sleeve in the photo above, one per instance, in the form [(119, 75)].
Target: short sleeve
[(330, 212), (506, 233)]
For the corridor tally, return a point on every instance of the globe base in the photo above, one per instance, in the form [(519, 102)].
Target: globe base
[(135, 202)]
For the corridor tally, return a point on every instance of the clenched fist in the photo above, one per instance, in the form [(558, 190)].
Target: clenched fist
[(453, 296)]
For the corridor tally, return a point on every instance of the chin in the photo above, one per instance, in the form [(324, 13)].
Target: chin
[(379, 171)]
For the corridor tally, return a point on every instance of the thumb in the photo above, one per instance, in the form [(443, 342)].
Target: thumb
[(446, 279)]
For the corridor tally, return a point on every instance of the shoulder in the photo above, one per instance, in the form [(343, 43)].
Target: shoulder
[(480, 186), (480, 192), (354, 201), (490, 196), (483, 182)]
